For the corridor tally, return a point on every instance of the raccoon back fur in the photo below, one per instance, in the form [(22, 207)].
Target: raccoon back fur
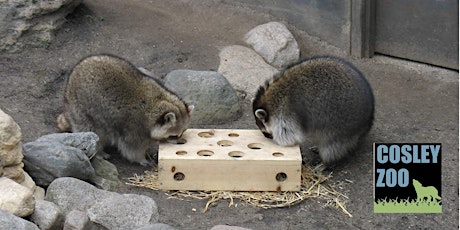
[(107, 95), (323, 99)]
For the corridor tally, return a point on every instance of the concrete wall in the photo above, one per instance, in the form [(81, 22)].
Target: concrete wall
[(419, 30), (326, 19)]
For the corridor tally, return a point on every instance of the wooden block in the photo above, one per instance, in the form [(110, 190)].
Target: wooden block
[(228, 160)]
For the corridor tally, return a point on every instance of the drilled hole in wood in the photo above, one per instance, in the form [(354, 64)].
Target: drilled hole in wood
[(207, 134), (181, 152), (179, 176), (278, 154), (225, 143), (233, 135), (255, 146), (280, 177), (236, 154), (205, 153)]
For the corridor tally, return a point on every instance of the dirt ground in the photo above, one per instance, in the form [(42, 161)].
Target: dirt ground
[(414, 103)]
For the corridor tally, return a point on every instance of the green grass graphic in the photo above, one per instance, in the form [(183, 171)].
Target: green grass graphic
[(407, 206)]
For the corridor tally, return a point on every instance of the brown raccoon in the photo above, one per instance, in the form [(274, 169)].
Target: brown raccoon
[(123, 106), (323, 99)]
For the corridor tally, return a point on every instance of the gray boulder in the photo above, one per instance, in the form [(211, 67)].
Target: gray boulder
[(275, 43), (106, 174), (126, 211), (12, 222), (47, 159), (107, 209), (244, 68), (25, 22), (47, 215), (215, 100), (85, 141)]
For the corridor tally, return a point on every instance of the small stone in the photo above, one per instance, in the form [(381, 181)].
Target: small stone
[(77, 220), (106, 176), (15, 198), (10, 132), (47, 215), (12, 222), (14, 172)]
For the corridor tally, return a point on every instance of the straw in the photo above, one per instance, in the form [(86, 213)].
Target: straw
[(313, 186)]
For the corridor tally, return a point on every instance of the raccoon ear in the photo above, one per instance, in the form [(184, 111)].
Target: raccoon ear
[(261, 114), (170, 118), (190, 108)]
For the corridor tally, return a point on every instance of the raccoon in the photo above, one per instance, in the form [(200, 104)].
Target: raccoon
[(322, 99), (126, 108)]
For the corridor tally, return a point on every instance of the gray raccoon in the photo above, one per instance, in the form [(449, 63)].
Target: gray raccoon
[(323, 99), (123, 106)]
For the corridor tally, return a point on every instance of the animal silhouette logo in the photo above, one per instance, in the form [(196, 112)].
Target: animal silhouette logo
[(428, 192)]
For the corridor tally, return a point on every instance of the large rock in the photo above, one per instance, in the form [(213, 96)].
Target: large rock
[(26, 22), (215, 100), (12, 222), (106, 174), (15, 198), (77, 220), (275, 43), (54, 155), (126, 211), (47, 215), (108, 209), (85, 141), (244, 69), (10, 149)]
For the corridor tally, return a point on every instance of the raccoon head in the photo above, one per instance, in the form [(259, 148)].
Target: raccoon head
[(280, 128), (172, 123), (262, 122)]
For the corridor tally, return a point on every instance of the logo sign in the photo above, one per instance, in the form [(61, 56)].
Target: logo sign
[(407, 178)]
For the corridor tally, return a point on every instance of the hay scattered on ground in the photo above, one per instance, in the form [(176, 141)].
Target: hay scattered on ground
[(311, 187)]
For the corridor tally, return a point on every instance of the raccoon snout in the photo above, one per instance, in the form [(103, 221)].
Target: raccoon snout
[(267, 135), (176, 140)]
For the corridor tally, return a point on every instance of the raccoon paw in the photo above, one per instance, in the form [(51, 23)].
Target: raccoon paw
[(146, 163), (319, 168), (104, 155), (177, 141)]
